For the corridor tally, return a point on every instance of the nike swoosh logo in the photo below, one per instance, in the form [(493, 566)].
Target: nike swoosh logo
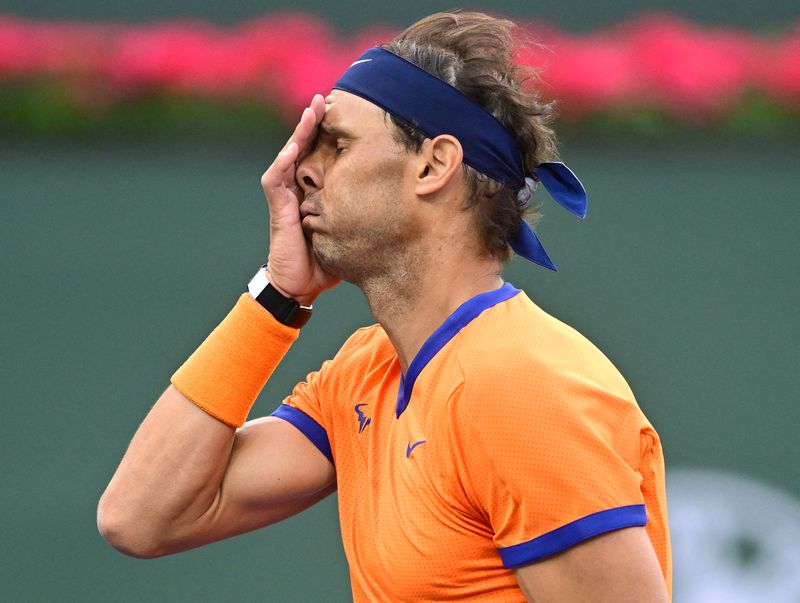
[(361, 61), (411, 447)]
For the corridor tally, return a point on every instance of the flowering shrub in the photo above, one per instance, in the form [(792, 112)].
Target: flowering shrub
[(658, 64)]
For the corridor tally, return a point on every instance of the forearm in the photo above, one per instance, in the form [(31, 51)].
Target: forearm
[(168, 478)]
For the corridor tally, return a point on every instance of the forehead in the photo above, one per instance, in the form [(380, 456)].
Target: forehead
[(348, 111)]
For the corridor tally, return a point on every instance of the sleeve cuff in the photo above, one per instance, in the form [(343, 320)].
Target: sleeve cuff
[(573, 533), (308, 426)]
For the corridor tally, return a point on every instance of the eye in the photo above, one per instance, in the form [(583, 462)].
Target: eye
[(340, 149)]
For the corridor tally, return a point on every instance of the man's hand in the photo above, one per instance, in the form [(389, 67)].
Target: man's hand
[(292, 269)]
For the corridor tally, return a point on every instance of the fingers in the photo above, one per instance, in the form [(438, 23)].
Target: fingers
[(277, 172), (318, 106), (306, 129), (281, 172)]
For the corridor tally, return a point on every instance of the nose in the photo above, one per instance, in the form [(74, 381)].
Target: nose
[(309, 173)]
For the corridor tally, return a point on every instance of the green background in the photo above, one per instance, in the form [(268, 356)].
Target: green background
[(118, 257), (577, 15)]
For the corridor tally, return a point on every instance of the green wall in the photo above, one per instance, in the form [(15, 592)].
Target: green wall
[(347, 15), (118, 259)]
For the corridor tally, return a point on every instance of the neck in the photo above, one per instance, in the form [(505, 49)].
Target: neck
[(412, 301)]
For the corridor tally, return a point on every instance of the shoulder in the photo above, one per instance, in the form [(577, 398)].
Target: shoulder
[(519, 360), (518, 335), (365, 344), (365, 349)]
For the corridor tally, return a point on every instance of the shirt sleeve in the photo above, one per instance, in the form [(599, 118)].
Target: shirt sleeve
[(550, 460), (310, 407), (303, 409)]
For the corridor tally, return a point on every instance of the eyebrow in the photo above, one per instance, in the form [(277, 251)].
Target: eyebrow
[(334, 131)]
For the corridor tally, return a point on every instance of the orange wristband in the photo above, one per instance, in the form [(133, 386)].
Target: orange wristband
[(227, 372)]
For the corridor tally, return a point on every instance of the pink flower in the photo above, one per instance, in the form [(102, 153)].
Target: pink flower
[(781, 70), (658, 62), (690, 72)]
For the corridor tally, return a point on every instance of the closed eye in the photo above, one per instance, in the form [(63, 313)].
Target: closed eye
[(334, 136)]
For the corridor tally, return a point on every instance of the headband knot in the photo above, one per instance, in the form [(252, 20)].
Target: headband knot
[(526, 193)]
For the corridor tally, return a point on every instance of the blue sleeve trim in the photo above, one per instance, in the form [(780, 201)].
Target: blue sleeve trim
[(310, 428), (573, 533)]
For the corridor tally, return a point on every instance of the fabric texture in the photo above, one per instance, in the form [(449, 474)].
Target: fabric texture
[(227, 372), (520, 440)]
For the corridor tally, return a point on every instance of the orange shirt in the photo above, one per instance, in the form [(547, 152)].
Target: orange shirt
[(511, 438)]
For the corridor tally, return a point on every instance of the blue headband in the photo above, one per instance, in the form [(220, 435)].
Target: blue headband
[(434, 107)]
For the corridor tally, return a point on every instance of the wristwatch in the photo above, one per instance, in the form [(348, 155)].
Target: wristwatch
[(286, 310)]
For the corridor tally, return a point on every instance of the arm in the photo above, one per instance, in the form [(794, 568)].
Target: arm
[(619, 566), (188, 478)]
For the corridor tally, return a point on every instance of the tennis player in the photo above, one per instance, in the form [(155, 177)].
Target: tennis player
[(481, 449)]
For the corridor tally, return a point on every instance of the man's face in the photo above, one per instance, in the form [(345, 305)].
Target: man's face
[(358, 208)]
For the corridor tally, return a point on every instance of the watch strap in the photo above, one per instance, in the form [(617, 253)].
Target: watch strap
[(286, 310)]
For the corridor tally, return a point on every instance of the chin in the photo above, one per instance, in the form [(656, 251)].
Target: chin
[(326, 260), (347, 269)]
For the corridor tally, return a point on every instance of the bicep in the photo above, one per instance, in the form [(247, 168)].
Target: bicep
[(274, 472), (618, 566)]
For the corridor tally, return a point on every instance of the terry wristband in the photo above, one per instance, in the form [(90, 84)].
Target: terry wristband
[(227, 372)]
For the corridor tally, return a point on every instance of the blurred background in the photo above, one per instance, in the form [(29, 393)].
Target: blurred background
[(132, 140)]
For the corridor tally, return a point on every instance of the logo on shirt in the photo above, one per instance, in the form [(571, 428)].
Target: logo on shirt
[(363, 420), (411, 447)]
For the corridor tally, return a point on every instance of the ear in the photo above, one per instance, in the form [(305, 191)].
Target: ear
[(439, 162)]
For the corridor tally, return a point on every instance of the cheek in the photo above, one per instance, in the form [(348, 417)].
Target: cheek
[(360, 185), (344, 180)]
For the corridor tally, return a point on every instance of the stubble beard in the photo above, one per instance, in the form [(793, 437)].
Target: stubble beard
[(369, 254), (385, 257), (388, 270)]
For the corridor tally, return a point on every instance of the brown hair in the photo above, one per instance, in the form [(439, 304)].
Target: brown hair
[(474, 53)]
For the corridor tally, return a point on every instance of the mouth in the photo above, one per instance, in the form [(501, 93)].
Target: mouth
[(306, 211), (307, 221)]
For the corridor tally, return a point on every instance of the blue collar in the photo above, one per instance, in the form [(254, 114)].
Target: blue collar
[(459, 319)]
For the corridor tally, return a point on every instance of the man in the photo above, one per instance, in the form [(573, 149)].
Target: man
[(481, 449)]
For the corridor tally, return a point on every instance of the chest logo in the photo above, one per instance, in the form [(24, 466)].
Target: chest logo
[(363, 420), (411, 447)]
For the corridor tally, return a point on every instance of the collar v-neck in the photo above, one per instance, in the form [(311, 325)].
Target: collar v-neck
[(460, 318)]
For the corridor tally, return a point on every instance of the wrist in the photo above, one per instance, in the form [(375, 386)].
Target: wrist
[(284, 308), (306, 299), (303, 300)]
